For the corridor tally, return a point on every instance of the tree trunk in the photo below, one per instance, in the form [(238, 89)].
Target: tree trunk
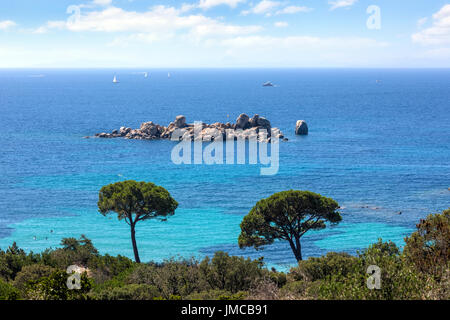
[(133, 241), (298, 254), (296, 249)]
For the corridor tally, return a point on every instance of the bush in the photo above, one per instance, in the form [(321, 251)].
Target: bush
[(54, 287), (8, 292), (398, 279), (296, 289), (172, 278), (105, 268), (428, 248), (222, 274), (74, 252), (229, 273), (320, 268), (31, 273), (13, 260), (264, 289)]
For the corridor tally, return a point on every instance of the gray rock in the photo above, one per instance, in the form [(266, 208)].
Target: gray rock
[(123, 131), (180, 121), (254, 120), (242, 122), (263, 122), (149, 129), (256, 127), (301, 128)]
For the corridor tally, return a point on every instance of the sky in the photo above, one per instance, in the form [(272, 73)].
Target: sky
[(224, 33)]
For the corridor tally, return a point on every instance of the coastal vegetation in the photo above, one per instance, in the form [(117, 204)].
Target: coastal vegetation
[(136, 201), (420, 271), (77, 271), (287, 216)]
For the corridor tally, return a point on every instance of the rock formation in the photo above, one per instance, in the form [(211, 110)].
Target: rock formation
[(245, 128), (301, 128)]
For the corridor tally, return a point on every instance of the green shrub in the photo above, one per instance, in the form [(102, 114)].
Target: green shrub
[(172, 278), (105, 268), (428, 248), (73, 252), (54, 287), (8, 292), (296, 289), (31, 273), (225, 272), (13, 260), (320, 268), (398, 279)]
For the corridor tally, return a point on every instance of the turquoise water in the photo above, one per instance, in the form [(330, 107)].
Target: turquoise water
[(377, 148)]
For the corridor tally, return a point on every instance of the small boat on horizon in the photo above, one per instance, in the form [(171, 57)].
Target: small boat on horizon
[(168, 75), (115, 80), (145, 74), (268, 84)]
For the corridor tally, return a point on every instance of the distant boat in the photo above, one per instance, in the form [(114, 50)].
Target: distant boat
[(115, 80), (168, 75), (268, 84), (145, 74)]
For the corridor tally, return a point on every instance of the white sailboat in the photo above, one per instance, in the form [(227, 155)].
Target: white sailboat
[(115, 80), (168, 75), (145, 74)]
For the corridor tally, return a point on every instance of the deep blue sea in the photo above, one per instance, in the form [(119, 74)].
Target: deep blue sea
[(377, 147)]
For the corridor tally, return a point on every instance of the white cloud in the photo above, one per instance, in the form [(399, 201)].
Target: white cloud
[(421, 22), (341, 4), (219, 29), (263, 7), (140, 38), (157, 19), (301, 42), (102, 2), (40, 30), (267, 7), (186, 7), (439, 32), (302, 51), (438, 53), (207, 4), (6, 24), (281, 24), (293, 9)]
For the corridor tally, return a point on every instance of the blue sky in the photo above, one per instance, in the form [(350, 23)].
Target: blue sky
[(224, 33)]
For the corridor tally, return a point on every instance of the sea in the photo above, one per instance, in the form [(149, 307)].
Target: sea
[(378, 143)]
